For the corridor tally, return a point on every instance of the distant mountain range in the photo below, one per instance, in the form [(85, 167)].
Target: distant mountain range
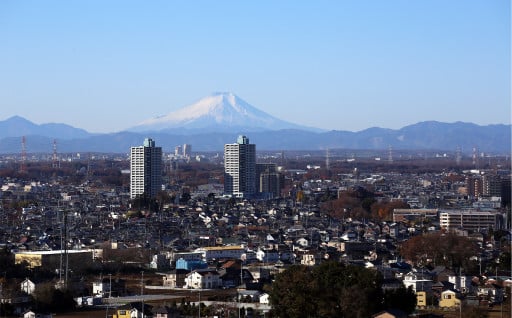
[(219, 118)]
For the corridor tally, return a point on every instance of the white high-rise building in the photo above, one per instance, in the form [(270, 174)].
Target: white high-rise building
[(145, 169), (240, 168), (187, 150)]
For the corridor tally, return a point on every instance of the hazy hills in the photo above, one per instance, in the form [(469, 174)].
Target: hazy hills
[(421, 136), (219, 118)]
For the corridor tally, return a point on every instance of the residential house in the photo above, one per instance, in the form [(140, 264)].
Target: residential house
[(308, 260), (439, 287), (449, 299), (491, 292), (392, 313), (109, 287), (421, 299), (28, 286), (349, 235), (267, 255), (134, 310), (461, 283), (302, 242), (88, 301), (418, 281), (265, 298), (231, 273), (166, 312), (175, 278), (249, 295), (203, 278), (160, 262), (33, 314)]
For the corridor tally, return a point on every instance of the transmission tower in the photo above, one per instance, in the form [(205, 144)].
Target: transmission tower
[(88, 165), (458, 156), (475, 157), (23, 167), (327, 159), (55, 159), (390, 154)]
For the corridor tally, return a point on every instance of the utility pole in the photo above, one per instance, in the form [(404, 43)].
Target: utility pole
[(199, 305), (66, 248), (241, 282), (109, 293), (142, 292)]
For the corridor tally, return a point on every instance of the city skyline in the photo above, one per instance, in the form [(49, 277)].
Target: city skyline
[(105, 67)]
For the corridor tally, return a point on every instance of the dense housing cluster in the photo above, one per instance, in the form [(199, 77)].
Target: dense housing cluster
[(227, 227)]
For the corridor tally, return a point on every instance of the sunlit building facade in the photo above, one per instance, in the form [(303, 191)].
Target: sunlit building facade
[(145, 169)]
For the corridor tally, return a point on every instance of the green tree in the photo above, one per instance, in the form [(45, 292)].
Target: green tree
[(47, 298), (439, 248), (400, 298), (328, 290), (292, 293)]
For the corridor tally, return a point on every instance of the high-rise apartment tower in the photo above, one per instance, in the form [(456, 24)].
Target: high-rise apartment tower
[(240, 168), (268, 180), (145, 169)]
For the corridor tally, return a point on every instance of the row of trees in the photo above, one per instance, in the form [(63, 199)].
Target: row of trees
[(439, 248), (361, 203), (333, 289)]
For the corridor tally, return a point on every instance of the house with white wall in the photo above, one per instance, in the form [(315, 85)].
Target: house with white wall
[(203, 279)]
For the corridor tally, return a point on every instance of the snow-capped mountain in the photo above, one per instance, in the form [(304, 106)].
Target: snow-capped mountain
[(217, 112)]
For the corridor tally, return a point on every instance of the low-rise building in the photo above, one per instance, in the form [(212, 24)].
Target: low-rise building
[(472, 220), (52, 259), (221, 252), (449, 299), (175, 278), (203, 279)]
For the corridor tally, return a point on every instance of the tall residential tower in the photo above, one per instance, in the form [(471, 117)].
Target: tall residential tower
[(240, 168), (145, 169)]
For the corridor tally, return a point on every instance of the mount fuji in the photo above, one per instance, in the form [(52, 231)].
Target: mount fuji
[(219, 112)]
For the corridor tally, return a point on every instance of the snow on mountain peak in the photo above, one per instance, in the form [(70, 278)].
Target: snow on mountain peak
[(218, 109)]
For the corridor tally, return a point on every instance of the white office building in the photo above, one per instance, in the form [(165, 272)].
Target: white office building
[(145, 169)]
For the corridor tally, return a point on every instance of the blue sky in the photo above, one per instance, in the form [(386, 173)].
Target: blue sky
[(347, 65)]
